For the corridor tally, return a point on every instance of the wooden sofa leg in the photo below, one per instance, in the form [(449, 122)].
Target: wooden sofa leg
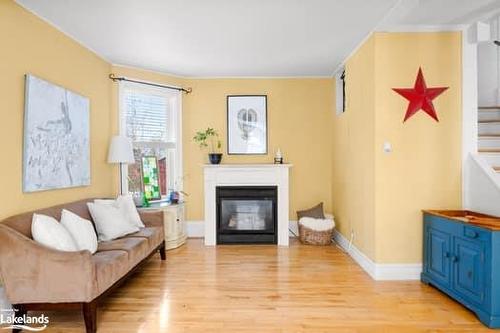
[(90, 316), (19, 311), (163, 253)]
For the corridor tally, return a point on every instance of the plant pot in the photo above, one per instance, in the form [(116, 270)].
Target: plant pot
[(215, 158)]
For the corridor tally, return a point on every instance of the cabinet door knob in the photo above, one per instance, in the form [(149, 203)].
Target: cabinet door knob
[(471, 233), (454, 258)]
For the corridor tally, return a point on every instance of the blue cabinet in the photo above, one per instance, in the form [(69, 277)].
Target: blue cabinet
[(437, 258), (463, 260), (468, 274)]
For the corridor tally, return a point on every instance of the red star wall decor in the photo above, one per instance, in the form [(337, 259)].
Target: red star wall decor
[(420, 97)]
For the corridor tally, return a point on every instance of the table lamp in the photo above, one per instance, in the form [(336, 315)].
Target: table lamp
[(122, 152)]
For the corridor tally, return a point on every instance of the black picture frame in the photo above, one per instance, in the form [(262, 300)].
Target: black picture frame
[(232, 148)]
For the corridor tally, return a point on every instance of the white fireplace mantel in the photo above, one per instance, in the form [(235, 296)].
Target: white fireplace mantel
[(246, 175)]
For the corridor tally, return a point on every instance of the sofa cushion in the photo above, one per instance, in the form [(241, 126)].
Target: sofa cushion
[(110, 266), (152, 234), (136, 247)]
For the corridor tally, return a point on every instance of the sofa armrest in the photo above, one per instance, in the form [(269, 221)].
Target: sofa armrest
[(34, 273), (152, 218)]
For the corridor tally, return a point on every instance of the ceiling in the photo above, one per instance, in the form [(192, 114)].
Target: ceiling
[(440, 12), (241, 38)]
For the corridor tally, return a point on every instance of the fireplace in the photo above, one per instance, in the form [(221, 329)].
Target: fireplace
[(246, 214), (274, 176)]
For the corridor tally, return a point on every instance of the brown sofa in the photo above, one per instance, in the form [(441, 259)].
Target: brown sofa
[(39, 278)]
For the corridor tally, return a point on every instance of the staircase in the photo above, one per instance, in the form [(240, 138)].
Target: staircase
[(489, 135)]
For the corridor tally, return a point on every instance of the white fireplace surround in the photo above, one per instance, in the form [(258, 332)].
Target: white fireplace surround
[(246, 175)]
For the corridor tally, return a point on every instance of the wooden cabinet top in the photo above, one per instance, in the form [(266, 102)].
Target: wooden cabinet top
[(469, 217)]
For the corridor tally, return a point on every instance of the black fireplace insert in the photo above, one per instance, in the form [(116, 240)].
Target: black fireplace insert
[(246, 214)]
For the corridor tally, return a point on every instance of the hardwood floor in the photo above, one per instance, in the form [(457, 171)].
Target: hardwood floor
[(268, 289)]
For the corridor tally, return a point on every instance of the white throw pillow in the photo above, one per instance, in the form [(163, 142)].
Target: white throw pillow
[(81, 230), (47, 231), (110, 221), (317, 224), (126, 204)]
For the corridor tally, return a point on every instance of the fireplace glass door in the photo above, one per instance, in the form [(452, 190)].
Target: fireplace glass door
[(246, 214)]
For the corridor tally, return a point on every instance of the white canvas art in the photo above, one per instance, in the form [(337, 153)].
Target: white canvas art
[(56, 137), (247, 124)]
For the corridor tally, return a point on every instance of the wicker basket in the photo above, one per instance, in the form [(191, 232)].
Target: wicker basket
[(313, 237)]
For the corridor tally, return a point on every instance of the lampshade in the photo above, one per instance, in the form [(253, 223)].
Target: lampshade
[(120, 150)]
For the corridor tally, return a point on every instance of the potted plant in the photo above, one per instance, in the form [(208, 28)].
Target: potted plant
[(209, 138)]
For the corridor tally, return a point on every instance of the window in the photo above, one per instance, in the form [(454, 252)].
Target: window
[(340, 80), (150, 116)]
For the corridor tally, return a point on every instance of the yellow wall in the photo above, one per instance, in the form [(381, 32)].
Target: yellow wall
[(337, 159), (353, 176), (299, 114), (424, 170), (299, 117), (29, 45), (380, 195)]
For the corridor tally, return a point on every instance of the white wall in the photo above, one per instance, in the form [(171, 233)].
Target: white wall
[(483, 186), (489, 69)]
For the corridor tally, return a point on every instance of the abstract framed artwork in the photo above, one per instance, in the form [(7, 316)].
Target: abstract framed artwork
[(56, 151), (151, 178), (247, 124)]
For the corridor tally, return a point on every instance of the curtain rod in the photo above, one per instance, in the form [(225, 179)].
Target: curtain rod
[(121, 78)]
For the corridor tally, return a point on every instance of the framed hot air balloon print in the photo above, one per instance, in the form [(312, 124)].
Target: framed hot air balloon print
[(246, 124)]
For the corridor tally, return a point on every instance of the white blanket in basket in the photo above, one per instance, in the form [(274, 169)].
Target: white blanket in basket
[(317, 224)]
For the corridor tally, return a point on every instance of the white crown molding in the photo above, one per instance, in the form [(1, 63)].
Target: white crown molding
[(148, 70), (379, 272), (401, 28), (422, 28), (182, 77), (368, 35), (59, 29), (284, 77), (400, 5), (161, 72)]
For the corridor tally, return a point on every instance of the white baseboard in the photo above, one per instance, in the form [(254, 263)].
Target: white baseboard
[(293, 229), (379, 272), (196, 229)]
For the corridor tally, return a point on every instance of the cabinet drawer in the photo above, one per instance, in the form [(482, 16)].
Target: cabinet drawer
[(475, 234), (456, 228), (441, 224)]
